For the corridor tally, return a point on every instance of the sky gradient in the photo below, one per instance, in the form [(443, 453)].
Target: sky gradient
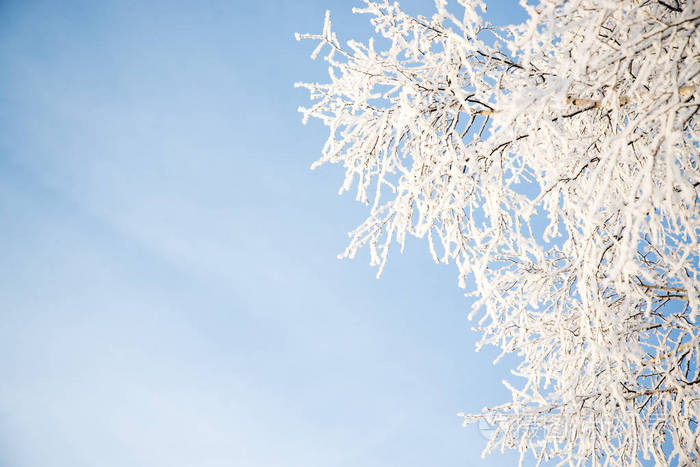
[(169, 290)]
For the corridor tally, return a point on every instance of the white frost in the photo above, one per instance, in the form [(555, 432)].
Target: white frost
[(561, 171)]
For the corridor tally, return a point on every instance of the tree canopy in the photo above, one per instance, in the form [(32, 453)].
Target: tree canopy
[(557, 164)]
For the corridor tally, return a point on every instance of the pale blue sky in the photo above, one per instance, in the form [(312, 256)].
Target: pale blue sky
[(169, 288)]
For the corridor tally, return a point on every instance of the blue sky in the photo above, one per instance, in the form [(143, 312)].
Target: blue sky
[(169, 289)]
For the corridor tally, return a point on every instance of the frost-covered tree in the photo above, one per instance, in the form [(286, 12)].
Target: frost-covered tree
[(557, 164)]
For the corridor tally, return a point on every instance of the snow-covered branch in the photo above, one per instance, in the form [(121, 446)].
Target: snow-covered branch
[(557, 164)]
